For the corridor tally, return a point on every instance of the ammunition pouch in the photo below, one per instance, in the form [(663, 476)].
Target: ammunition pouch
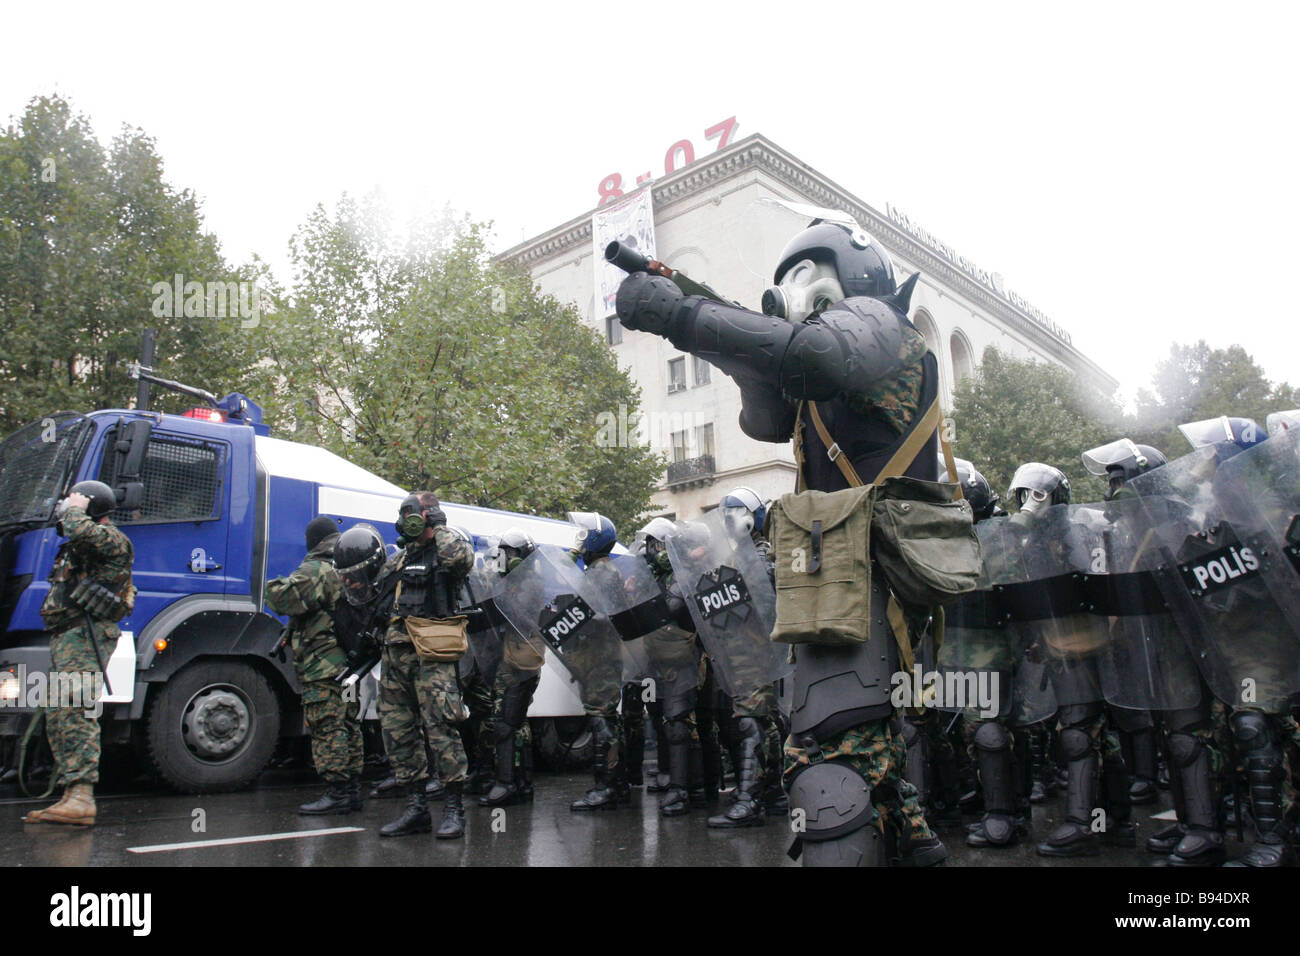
[(103, 603), (439, 639)]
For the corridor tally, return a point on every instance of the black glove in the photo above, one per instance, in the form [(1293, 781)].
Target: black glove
[(648, 303)]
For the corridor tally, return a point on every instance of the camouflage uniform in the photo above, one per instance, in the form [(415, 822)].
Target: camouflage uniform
[(420, 700), (307, 597), (102, 553)]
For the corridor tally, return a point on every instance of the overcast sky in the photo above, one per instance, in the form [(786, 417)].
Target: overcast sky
[(1131, 169)]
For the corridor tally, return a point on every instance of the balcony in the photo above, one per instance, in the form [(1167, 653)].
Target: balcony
[(690, 472)]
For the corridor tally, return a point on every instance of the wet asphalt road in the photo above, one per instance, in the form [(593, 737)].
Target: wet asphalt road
[(133, 825)]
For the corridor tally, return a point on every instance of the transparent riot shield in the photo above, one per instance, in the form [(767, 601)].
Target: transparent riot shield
[(657, 653), (1045, 560), (724, 581), (556, 606), (983, 649), (1224, 570), (1147, 665), (487, 627)]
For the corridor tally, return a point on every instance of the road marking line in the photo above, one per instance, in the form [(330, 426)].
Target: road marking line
[(231, 841)]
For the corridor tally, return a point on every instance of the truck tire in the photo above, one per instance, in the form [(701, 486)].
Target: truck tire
[(212, 727), (563, 743)]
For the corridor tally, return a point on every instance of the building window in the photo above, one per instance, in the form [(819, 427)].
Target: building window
[(962, 363), (676, 375), (701, 371), (679, 446), (704, 440), (613, 330)]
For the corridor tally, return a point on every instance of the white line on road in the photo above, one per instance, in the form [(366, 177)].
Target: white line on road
[(231, 841)]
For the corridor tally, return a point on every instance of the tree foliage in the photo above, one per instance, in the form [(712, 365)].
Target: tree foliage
[(84, 237), (430, 364), (1012, 411)]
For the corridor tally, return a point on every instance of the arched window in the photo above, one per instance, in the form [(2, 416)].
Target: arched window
[(962, 363), (925, 325)]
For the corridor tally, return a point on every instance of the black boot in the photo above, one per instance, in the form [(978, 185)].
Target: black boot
[(604, 793), (336, 799), (415, 818), (434, 789), (747, 808), (354, 793), (633, 719), (386, 788), (452, 826), (1120, 829), (504, 791), (1144, 788), (1192, 781), (675, 801), (1261, 753), (993, 753), (1074, 837)]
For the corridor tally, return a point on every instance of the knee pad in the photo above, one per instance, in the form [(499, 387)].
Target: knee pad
[(837, 816), (992, 737), (1075, 743), (1252, 730), (1184, 748), (514, 705)]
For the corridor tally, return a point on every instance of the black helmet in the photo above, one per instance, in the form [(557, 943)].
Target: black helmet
[(359, 554), (318, 529), (102, 498), (975, 487), (1035, 485), (862, 264)]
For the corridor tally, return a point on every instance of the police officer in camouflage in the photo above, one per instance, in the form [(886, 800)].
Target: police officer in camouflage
[(308, 597), (419, 698), (836, 334), (90, 590)]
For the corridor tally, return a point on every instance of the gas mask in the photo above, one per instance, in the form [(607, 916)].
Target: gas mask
[(807, 287), (739, 521), (411, 526), (657, 556), (1033, 504)]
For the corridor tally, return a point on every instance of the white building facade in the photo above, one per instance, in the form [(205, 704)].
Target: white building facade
[(715, 220)]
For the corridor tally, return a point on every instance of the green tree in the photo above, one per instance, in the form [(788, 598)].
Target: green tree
[(1012, 411), (84, 237), (1196, 382), (436, 367)]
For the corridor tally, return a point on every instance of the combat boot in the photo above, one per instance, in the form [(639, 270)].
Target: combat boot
[(746, 809), (415, 818), (504, 791), (387, 787), (998, 828), (453, 813), (1199, 840), (354, 793), (604, 792), (1144, 789), (336, 799), (76, 808), (38, 816), (921, 851), (434, 789), (1074, 837), (1120, 829), (1262, 755), (676, 801)]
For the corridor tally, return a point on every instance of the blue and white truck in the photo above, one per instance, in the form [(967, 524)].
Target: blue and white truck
[(214, 507)]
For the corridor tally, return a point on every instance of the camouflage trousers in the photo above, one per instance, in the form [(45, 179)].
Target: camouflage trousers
[(420, 705), (333, 720), (479, 697), (72, 714), (877, 752)]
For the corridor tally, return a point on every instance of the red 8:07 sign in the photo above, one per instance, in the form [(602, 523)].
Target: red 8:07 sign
[(611, 187)]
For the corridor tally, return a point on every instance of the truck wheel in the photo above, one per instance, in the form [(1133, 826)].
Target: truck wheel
[(563, 743), (213, 727)]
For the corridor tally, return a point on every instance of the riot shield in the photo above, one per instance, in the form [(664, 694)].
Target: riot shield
[(655, 647), (1045, 560), (556, 606), (981, 644), (1224, 570), (724, 582), (1147, 664), (487, 627)]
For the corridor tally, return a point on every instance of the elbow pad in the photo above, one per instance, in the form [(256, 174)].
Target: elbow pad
[(845, 349), (745, 345)]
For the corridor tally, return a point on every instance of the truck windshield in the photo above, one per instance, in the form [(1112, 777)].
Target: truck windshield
[(35, 463)]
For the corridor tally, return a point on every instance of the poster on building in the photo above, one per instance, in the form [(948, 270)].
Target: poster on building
[(632, 222)]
